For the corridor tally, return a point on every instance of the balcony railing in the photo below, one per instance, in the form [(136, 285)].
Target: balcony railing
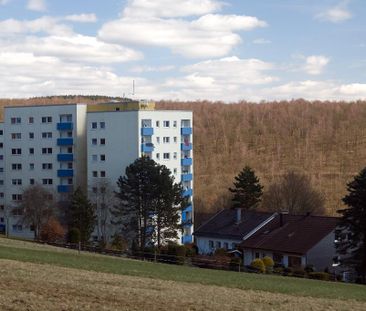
[(65, 188), (147, 147), (186, 162), (186, 239), (65, 157), (65, 126), (186, 177), (65, 173), (65, 141), (186, 130), (187, 192), (186, 146), (147, 131), (188, 209)]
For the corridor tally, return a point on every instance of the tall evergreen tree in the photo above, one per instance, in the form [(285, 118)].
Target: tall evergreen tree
[(81, 215), (353, 225), (247, 191), (149, 203)]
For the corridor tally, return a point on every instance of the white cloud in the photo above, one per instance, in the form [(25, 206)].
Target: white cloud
[(82, 18), (3, 2), (261, 41), (336, 14), (141, 69), (36, 5), (315, 64), (168, 8)]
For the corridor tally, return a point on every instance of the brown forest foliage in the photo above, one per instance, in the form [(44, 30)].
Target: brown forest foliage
[(324, 140)]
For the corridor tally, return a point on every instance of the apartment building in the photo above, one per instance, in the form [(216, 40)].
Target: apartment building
[(2, 181), (64, 146)]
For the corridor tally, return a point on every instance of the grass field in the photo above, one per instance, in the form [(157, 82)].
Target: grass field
[(39, 277)]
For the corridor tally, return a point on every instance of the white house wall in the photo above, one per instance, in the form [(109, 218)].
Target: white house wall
[(322, 254)]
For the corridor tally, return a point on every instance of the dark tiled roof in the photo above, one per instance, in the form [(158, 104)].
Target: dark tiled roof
[(223, 224), (297, 235)]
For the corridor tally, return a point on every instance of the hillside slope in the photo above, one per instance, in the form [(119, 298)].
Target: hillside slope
[(326, 140)]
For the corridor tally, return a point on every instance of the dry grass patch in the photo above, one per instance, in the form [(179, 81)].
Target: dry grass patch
[(27, 286)]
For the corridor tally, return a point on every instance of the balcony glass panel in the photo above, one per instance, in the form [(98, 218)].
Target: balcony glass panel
[(65, 188), (65, 126), (186, 130), (186, 146), (65, 157), (147, 131), (65, 141), (186, 162), (65, 173)]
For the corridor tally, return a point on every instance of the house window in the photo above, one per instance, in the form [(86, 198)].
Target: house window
[(175, 171), (102, 174), (30, 120), (174, 155), (69, 165), (94, 125), (1, 132), (94, 157), (1, 145), (102, 157), (16, 197), (16, 135), (158, 155), (294, 261), (278, 258), (226, 245), (31, 181), (16, 151), (31, 135), (257, 255), (16, 182), (47, 135), (31, 166), (17, 227), (1, 182), (47, 166), (69, 149), (157, 123), (174, 123), (211, 244), (31, 150), (166, 123), (1, 157), (166, 140), (69, 181), (166, 155), (16, 166), (16, 120), (46, 150), (158, 139), (102, 141), (69, 134), (218, 244), (175, 139), (95, 173), (46, 119), (47, 181), (102, 125)]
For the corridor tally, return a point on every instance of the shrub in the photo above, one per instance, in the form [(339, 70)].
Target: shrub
[(299, 273), (74, 235), (191, 250), (287, 271), (258, 265), (235, 263), (278, 270), (221, 252), (119, 243), (268, 263), (309, 268), (324, 276), (52, 231)]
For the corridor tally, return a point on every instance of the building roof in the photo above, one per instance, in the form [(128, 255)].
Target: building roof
[(296, 234), (223, 224)]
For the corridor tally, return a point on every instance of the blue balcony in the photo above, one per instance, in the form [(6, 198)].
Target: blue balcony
[(186, 177), (186, 239), (65, 157), (188, 209), (65, 126), (186, 162), (65, 173), (147, 131), (186, 130), (65, 188), (186, 146), (187, 193), (65, 141), (147, 147)]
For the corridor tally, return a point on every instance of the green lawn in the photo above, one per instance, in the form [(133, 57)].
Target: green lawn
[(35, 253)]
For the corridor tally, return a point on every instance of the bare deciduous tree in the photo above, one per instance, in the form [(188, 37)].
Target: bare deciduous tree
[(293, 193), (36, 207)]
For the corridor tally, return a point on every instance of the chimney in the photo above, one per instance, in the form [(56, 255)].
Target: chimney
[(238, 216), (282, 213)]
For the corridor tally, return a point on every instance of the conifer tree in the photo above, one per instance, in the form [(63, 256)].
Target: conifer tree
[(353, 226), (247, 191), (81, 215)]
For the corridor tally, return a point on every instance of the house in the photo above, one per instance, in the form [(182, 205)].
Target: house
[(294, 241), (290, 240), (228, 228)]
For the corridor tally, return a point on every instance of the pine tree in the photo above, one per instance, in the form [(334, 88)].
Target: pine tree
[(247, 191), (81, 215), (353, 225)]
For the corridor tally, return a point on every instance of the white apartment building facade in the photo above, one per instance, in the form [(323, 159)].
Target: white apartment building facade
[(64, 146)]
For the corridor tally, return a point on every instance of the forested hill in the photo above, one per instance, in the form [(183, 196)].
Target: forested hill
[(326, 140)]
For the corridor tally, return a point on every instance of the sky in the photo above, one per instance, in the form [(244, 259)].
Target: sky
[(226, 50)]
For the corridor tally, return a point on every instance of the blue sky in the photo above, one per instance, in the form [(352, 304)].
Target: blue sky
[(184, 49)]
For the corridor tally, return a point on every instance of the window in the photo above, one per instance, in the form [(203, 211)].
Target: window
[(69, 149), (47, 181), (16, 197), (47, 135), (1, 169), (47, 166), (211, 244), (69, 181), (166, 155), (175, 171), (16, 182), (218, 244), (31, 150), (46, 150), (158, 140), (31, 135), (2, 207), (69, 134), (166, 140), (158, 155), (102, 141), (1, 194), (102, 125), (226, 245), (31, 181), (174, 123), (1, 145), (257, 255), (46, 119), (30, 120), (31, 166), (175, 139), (95, 190), (1, 132), (16, 151), (15, 120), (1, 182), (294, 261), (102, 174), (70, 165), (16, 135), (1, 157), (94, 125), (157, 124), (102, 157), (166, 123), (94, 141), (16, 166), (17, 227), (174, 155), (95, 157), (95, 174)]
